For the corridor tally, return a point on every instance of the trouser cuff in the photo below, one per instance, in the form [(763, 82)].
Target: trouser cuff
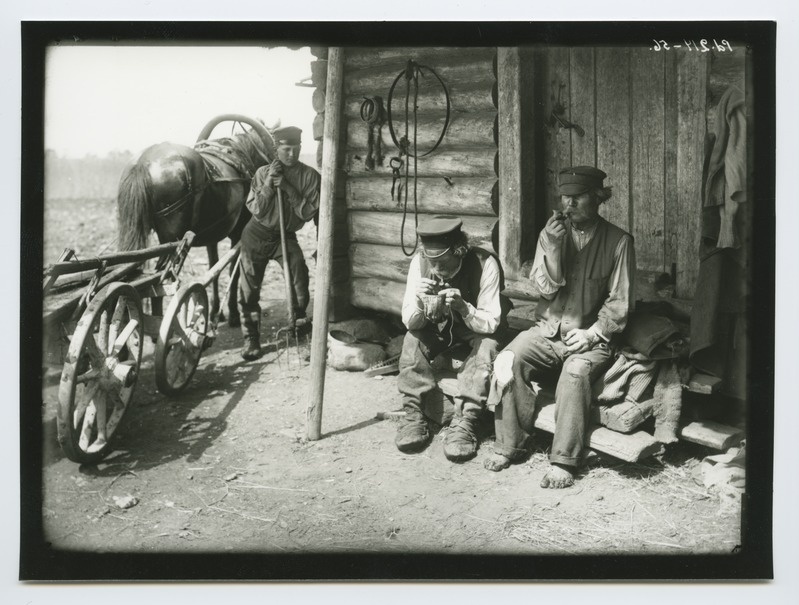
[(567, 460)]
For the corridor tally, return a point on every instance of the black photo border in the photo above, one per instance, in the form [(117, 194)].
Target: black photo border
[(753, 560)]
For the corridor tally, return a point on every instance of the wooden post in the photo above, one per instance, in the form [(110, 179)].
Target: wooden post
[(510, 159), (324, 249)]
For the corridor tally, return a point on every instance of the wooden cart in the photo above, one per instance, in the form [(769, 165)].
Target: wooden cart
[(95, 326)]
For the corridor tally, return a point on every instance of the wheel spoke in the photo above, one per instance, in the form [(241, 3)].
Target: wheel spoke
[(102, 331), (88, 422), (83, 403), (96, 356), (116, 320), (87, 376), (117, 411), (101, 416), (120, 341)]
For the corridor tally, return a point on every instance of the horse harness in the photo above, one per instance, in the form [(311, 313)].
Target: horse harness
[(213, 176)]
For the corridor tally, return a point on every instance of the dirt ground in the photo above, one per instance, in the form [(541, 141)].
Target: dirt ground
[(225, 466)]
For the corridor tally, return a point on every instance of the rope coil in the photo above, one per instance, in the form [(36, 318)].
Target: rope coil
[(411, 74)]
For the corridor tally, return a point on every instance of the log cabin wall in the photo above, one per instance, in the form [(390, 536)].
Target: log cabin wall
[(459, 178), (642, 116)]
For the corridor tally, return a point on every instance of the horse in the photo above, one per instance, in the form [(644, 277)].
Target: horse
[(172, 189)]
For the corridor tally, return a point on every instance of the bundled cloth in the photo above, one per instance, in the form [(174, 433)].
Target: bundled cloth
[(653, 343)]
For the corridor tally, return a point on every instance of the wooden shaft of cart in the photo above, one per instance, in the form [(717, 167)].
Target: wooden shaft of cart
[(134, 256), (284, 249)]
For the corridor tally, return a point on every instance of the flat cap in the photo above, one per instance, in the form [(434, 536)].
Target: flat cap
[(438, 234), (287, 135), (579, 179)]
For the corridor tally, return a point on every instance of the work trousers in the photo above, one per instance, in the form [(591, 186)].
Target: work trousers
[(537, 358), (416, 378), (258, 247)]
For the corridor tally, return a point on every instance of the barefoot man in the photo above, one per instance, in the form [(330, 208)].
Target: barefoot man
[(583, 270)]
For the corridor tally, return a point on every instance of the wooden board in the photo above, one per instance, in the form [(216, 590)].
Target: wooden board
[(631, 448), (647, 158), (582, 109), (691, 125), (670, 194), (711, 434), (613, 130), (472, 162), (557, 141), (511, 159), (464, 130), (459, 196), (384, 228)]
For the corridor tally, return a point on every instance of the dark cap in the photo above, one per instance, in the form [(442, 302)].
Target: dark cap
[(439, 234), (579, 179), (287, 135)]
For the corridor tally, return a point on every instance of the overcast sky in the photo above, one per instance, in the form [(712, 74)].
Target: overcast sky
[(105, 98)]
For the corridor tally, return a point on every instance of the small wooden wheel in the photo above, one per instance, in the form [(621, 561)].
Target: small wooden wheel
[(100, 373), (181, 338)]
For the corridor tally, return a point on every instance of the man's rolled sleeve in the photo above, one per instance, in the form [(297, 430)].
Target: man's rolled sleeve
[(412, 316), (547, 287), (485, 318)]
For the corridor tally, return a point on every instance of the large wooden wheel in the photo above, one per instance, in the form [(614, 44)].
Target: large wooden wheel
[(181, 338), (100, 373)]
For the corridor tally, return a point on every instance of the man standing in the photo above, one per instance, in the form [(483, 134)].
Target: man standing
[(584, 271), (299, 187), (452, 297)]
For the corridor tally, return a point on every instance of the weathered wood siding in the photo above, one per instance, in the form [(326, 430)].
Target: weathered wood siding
[(644, 115), (459, 178)]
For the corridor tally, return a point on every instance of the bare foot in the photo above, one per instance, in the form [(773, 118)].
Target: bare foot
[(558, 476), (496, 462)]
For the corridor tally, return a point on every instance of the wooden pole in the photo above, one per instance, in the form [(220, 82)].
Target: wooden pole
[(324, 248), (286, 268)]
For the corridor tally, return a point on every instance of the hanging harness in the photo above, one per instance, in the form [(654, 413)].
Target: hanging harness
[(373, 113), (411, 73)]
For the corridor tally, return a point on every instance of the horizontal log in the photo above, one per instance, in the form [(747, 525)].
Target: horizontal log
[(461, 196), (464, 130), (318, 127), (378, 80), (384, 228), (375, 260), (377, 294), (397, 57), (467, 97), (319, 73), (318, 100), (477, 162)]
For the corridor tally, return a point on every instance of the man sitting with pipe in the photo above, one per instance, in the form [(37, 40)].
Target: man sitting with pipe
[(298, 186), (452, 298), (584, 270)]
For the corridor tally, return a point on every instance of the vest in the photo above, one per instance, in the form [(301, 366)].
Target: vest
[(587, 274)]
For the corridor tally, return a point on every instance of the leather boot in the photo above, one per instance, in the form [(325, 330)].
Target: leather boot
[(460, 442), (252, 348), (413, 434)]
